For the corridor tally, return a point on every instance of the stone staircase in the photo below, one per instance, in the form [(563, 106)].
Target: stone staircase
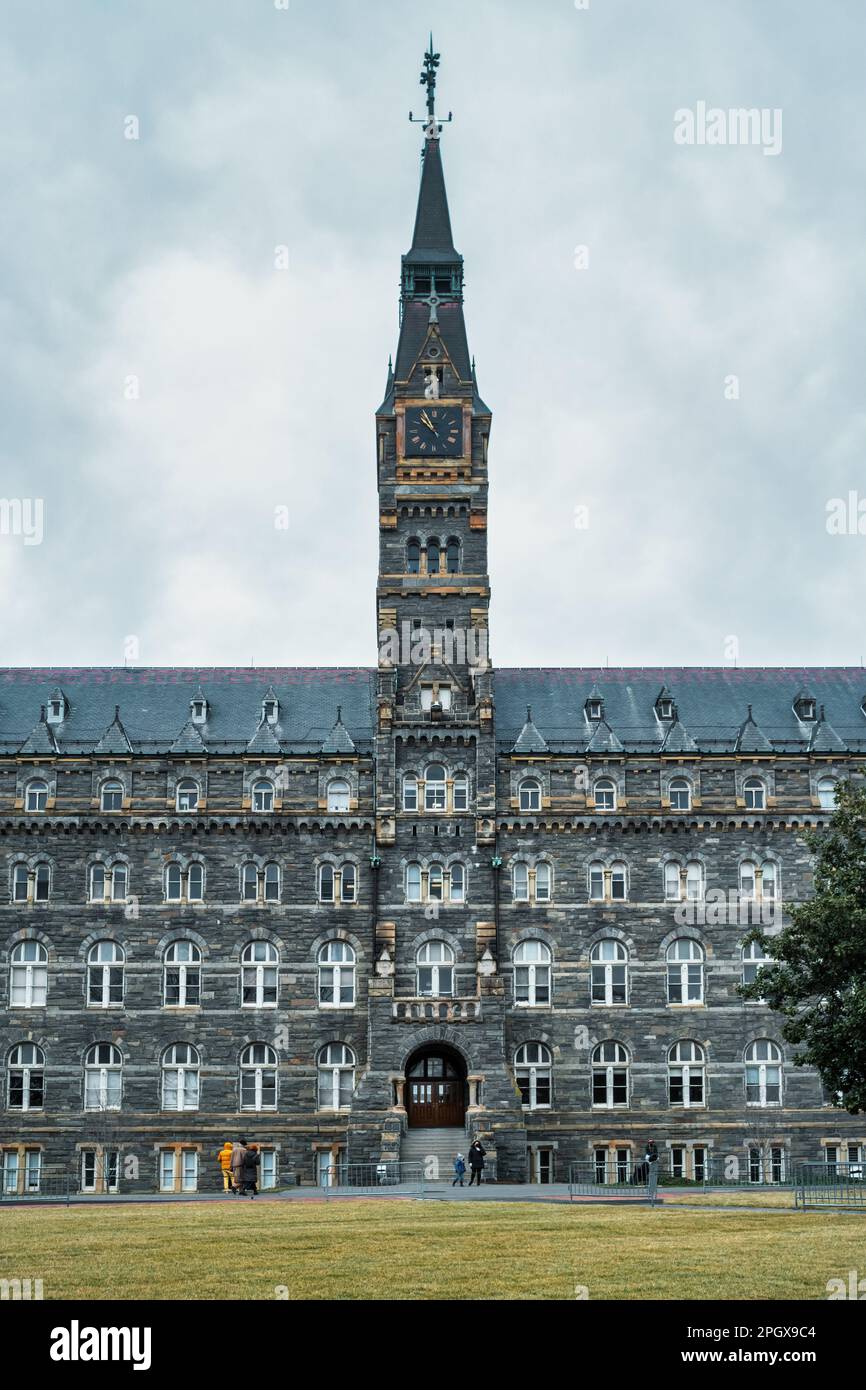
[(435, 1151)]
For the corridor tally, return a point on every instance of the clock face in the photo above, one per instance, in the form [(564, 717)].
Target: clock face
[(434, 431)]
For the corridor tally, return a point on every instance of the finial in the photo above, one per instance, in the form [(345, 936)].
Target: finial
[(529, 714), (428, 80), (339, 714), (749, 708)]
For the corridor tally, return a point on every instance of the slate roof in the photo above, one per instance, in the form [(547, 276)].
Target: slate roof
[(339, 739), (155, 703), (432, 240), (712, 704)]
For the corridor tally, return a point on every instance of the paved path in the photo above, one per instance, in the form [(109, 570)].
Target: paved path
[(433, 1192)]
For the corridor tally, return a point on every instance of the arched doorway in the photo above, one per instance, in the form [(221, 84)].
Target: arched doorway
[(435, 1088)]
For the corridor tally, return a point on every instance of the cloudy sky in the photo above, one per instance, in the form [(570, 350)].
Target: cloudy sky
[(165, 386)]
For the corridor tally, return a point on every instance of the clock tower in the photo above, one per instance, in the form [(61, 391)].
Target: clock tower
[(433, 589)]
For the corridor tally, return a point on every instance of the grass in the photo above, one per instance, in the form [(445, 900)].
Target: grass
[(426, 1250)]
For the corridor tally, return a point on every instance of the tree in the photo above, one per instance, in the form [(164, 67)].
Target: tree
[(817, 980)]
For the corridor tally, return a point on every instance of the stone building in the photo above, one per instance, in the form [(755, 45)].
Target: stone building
[(364, 914)]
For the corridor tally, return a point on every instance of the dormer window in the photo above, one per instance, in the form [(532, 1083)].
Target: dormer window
[(804, 707), (57, 708), (198, 706), (665, 708), (594, 708), (270, 709)]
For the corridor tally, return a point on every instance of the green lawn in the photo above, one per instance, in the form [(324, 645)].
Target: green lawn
[(426, 1250)]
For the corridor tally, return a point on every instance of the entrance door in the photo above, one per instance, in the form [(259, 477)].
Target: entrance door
[(435, 1093)]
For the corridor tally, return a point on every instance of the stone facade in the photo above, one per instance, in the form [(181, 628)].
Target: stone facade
[(189, 855)]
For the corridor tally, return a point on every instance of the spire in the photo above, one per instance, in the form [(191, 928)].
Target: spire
[(432, 239)]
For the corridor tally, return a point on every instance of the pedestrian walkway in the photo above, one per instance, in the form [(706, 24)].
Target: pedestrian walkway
[(433, 1192)]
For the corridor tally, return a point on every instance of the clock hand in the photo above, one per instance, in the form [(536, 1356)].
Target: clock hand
[(429, 423)]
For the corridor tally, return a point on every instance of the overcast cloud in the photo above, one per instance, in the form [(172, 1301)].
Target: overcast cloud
[(260, 127)]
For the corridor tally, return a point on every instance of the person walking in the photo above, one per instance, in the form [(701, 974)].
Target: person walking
[(252, 1159), (476, 1162), (459, 1170), (224, 1158), (239, 1148)]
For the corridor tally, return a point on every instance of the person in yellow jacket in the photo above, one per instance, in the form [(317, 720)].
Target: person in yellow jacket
[(224, 1156)]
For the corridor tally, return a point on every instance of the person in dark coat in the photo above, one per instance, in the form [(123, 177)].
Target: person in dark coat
[(249, 1172), (476, 1162)]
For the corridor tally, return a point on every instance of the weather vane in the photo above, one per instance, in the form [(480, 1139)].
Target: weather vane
[(432, 127)]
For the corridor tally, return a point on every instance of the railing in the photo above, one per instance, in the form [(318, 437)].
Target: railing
[(830, 1185), (436, 1010), (358, 1178), (594, 1179), (49, 1180)]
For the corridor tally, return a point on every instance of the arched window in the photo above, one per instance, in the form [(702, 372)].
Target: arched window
[(173, 883), (413, 883), (182, 975), (20, 877), (596, 880), (410, 793), (747, 881), (460, 792), (433, 556), (258, 1077), (754, 794), (36, 796), (26, 1077), (105, 974), (458, 883), (348, 883), (763, 1073), (610, 1075), (685, 972), (530, 794), (520, 882), (434, 788), (827, 794), (542, 882), (259, 963), (453, 556), (672, 882), (111, 796), (694, 880), (187, 795), (754, 957), (413, 557), (533, 1071), (336, 1076), (180, 1073), (337, 975), (532, 973), (338, 796), (769, 881), (435, 881), (326, 883), (272, 883), (618, 884), (249, 883), (28, 984), (435, 962), (195, 883), (263, 796), (103, 1083), (605, 794), (119, 882), (609, 973), (680, 794), (686, 1074)]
